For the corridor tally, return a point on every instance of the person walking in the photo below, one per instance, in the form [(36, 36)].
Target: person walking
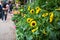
[(5, 11), (1, 9), (10, 6)]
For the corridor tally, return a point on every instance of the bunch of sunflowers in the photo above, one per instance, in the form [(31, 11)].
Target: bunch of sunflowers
[(37, 23)]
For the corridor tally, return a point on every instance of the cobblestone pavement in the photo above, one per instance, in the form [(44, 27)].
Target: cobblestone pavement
[(7, 29)]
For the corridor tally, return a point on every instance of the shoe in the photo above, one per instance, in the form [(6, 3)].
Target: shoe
[(6, 21), (1, 21)]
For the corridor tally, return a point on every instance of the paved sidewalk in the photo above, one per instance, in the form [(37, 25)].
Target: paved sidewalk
[(7, 29)]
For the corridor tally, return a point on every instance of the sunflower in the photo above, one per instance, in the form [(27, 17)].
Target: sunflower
[(29, 20), (51, 14), (51, 17), (38, 8), (28, 7), (32, 11), (37, 11), (45, 14), (33, 23), (34, 30)]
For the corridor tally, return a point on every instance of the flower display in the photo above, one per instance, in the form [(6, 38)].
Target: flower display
[(38, 20)]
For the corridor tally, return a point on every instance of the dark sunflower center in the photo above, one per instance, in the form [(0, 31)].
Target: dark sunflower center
[(33, 24), (28, 20), (32, 11), (37, 8)]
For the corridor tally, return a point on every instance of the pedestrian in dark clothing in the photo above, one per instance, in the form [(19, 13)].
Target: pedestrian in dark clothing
[(10, 6), (1, 10), (5, 10)]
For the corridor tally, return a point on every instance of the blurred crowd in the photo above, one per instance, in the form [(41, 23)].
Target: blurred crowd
[(5, 8)]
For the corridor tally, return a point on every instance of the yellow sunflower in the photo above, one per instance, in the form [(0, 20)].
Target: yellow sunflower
[(38, 8), (51, 14), (33, 23), (34, 30), (29, 20), (51, 17), (45, 14), (28, 7), (32, 11), (37, 11)]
